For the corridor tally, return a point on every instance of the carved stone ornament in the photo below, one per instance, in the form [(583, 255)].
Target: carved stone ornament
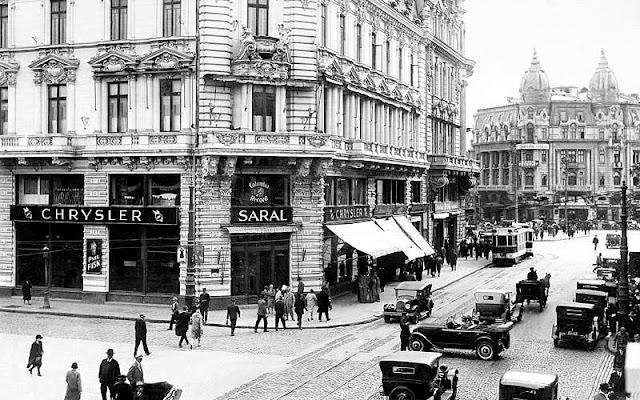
[(166, 58), (303, 167), (230, 166), (317, 140), (320, 167), (227, 138), (439, 182), (113, 61), (210, 166), (8, 70), (54, 68)]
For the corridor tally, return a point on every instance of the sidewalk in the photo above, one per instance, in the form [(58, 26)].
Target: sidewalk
[(346, 309)]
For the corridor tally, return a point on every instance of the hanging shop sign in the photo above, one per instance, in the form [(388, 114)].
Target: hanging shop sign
[(346, 213), (261, 215), (94, 256), (96, 215)]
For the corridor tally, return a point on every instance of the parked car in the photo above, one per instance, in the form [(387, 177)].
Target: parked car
[(521, 385), (606, 274), (612, 240), (600, 300), (577, 323), (487, 340), (493, 305), (414, 297), (611, 287), (415, 376)]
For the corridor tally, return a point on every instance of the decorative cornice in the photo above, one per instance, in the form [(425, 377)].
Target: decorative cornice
[(54, 68)]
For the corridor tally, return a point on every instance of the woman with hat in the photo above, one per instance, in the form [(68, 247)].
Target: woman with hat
[(35, 355), (74, 385), (603, 392)]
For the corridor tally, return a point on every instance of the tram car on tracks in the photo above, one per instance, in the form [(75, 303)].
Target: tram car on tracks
[(511, 245)]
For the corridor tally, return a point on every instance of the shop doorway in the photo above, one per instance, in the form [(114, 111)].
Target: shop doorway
[(258, 261)]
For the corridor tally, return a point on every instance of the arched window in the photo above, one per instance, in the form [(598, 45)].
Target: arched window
[(544, 180), (614, 132), (530, 131), (616, 178), (573, 129), (530, 113), (572, 179), (528, 179)]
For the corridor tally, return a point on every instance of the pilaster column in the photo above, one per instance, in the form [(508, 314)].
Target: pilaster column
[(281, 115), (71, 105), (37, 103), (132, 112), (131, 24), (184, 109), (365, 122), (341, 112), (103, 104), (71, 12), (11, 89), (148, 110), (379, 135), (359, 121), (97, 87)]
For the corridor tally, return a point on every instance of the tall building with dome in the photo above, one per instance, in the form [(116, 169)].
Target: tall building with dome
[(557, 149)]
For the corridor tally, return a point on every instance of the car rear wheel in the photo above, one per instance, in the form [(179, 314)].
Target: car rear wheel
[(402, 393), (416, 344), (485, 350)]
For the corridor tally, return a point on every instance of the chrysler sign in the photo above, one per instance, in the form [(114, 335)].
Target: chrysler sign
[(95, 215)]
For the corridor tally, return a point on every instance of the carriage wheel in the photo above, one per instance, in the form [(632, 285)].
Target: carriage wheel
[(402, 393)]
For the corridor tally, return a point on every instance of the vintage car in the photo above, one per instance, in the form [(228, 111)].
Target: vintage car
[(414, 297), (600, 301), (612, 240), (493, 305), (577, 323), (487, 340), (610, 287), (606, 273), (521, 385), (157, 391), (415, 376), (528, 291)]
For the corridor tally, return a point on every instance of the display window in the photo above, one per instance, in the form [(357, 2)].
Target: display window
[(260, 190), (145, 190)]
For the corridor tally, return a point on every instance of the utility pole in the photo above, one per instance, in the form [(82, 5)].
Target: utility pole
[(623, 282), (564, 161), (516, 175)]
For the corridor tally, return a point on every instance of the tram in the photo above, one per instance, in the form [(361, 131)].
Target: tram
[(511, 245)]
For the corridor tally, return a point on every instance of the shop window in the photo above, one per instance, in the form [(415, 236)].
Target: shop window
[(58, 21), (416, 187), (391, 191), (572, 181), (118, 106), (171, 18), (57, 115), (145, 190), (264, 108), (65, 189), (345, 191), (260, 190), (170, 90), (258, 261), (118, 19)]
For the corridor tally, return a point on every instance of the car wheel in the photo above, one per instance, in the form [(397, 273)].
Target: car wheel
[(416, 344), (556, 342), (402, 393), (387, 319), (485, 350)]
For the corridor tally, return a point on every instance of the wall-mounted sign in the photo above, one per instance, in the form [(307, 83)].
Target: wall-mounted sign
[(182, 254), (94, 256), (95, 215), (259, 192), (261, 215), (346, 213), (385, 210)]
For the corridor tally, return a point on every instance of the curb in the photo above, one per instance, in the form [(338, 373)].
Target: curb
[(166, 321)]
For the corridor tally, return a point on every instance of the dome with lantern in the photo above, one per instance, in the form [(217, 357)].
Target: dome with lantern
[(604, 85), (535, 83)]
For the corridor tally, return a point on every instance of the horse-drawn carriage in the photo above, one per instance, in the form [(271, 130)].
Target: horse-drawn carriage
[(530, 290)]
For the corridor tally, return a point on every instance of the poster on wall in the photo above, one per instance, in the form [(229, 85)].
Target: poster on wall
[(94, 256)]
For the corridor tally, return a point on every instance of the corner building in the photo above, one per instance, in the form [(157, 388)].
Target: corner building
[(317, 127), (556, 140), (96, 109)]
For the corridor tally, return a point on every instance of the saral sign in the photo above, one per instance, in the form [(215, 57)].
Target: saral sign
[(261, 215), (95, 215)]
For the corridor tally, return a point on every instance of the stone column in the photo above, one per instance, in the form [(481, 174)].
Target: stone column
[(185, 110), (341, 113), (97, 103), (71, 104), (281, 115), (11, 82), (132, 112), (38, 103), (359, 120)]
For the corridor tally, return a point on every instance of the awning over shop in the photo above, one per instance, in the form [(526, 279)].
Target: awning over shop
[(261, 229), (366, 237), (413, 233), (440, 215), (409, 248)]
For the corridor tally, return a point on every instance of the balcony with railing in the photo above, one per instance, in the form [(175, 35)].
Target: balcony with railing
[(453, 163), (68, 196), (574, 188), (37, 145)]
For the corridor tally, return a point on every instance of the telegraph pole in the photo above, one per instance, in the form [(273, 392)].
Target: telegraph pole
[(623, 282)]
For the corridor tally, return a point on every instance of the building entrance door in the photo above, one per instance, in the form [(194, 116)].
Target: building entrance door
[(258, 261)]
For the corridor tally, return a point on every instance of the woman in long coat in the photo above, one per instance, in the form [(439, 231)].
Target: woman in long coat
[(74, 384), (26, 292), (196, 326)]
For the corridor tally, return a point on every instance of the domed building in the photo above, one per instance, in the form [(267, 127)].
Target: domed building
[(558, 149)]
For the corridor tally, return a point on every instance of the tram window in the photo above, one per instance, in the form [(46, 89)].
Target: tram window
[(510, 240), (502, 240)]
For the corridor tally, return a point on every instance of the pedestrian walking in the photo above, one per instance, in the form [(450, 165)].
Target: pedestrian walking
[(35, 355), (405, 332), (74, 383), (108, 375), (122, 389), (375, 286), (175, 310), (182, 325), (197, 327), (454, 261), (324, 304), (621, 339), (233, 313), (289, 301), (299, 308), (478, 247), (135, 374), (454, 384), (262, 314), (617, 385), (300, 291), (205, 299), (279, 310), (311, 303), (141, 335), (603, 392), (279, 293), (595, 242), (271, 299), (439, 264), (26, 292)]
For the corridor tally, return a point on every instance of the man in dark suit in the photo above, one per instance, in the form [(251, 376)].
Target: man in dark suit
[(617, 383), (108, 374), (122, 389), (135, 374), (205, 298), (141, 335), (174, 313), (233, 312)]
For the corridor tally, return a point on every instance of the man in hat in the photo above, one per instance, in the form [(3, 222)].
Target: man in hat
[(532, 275), (135, 374), (617, 384), (141, 335), (405, 331), (603, 392), (107, 374), (205, 299), (122, 389), (35, 355), (175, 310)]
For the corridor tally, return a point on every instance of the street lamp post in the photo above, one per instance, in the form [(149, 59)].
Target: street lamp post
[(564, 162), (623, 282), (47, 276)]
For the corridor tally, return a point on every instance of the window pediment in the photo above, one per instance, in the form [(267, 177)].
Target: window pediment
[(8, 70), (113, 61), (55, 68), (166, 58), (333, 69)]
